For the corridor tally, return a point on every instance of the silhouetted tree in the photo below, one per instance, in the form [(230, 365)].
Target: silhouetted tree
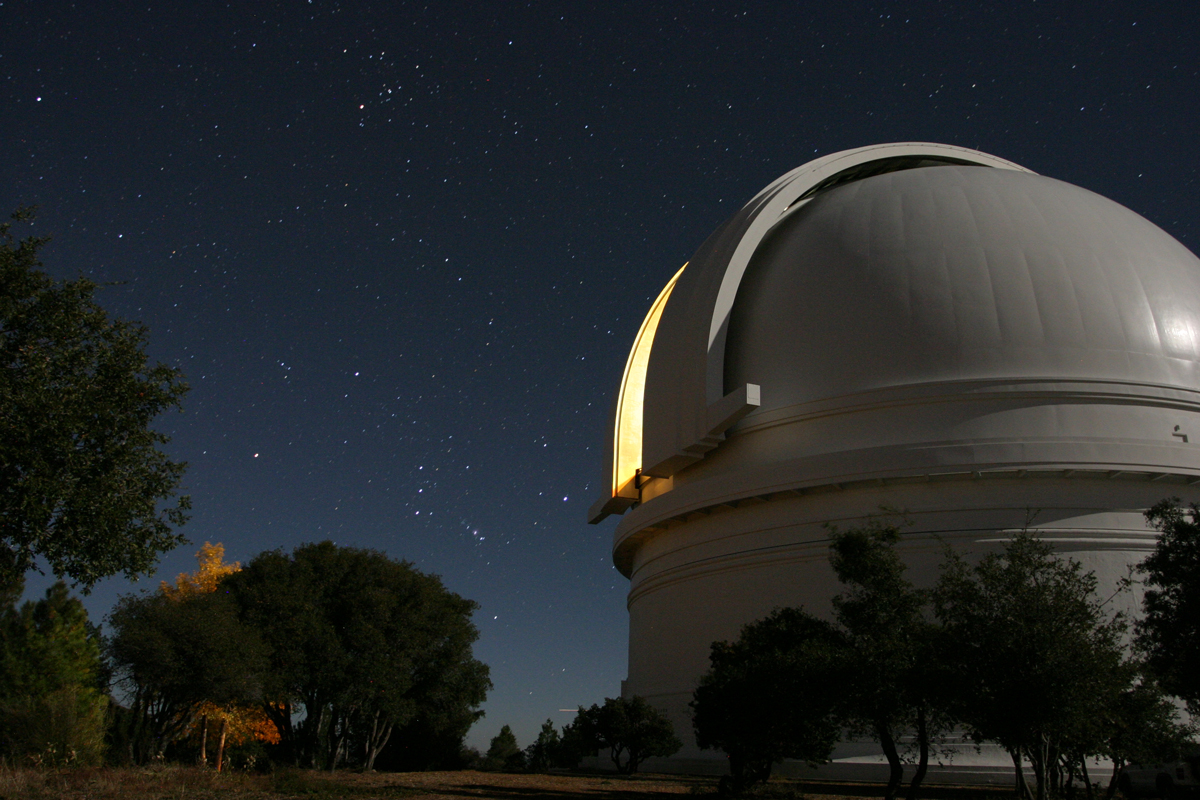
[(1035, 656), (629, 728), (361, 645), (1141, 725), (1169, 633), (84, 483), (545, 751), (774, 693), (174, 654), (892, 683), (504, 752), (52, 701)]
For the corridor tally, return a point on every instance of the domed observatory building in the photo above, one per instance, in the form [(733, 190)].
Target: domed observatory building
[(916, 327)]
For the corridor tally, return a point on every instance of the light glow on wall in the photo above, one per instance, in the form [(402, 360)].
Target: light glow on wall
[(627, 446)]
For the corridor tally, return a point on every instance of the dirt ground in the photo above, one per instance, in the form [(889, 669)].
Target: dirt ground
[(471, 785), (182, 783)]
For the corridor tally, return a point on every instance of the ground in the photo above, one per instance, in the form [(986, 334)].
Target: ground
[(181, 783)]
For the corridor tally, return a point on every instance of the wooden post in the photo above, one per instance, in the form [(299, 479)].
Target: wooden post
[(221, 746)]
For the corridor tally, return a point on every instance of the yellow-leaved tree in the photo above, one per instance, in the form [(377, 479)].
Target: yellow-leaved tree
[(212, 568), (236, 723)]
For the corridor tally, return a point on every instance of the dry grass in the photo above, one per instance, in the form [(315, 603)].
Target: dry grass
[(103, 783), (172, 782), (469, 785)]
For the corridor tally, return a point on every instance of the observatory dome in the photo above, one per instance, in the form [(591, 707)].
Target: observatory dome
[(914, 327), (962, 273)]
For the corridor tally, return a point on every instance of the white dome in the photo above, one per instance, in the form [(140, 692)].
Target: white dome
[(901, 310), (962, 273)]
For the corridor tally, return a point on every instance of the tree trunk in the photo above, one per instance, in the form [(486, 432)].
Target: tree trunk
[(337, 753), (221, 743), (339, 729), (1054, 770), (313, 735), (281, 715), (615, 754), (1114, 781), (1020, 788), (380, 733), (923, 757), (1087, 780), (896, 774), (137, 732), (204, 741), (1040, 769)]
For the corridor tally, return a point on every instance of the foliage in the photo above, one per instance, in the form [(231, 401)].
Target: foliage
[(211, 571), (1169, 633), (1017, 648), (83, 481), (1035, 657), (243, 722), (546, 751), (361, 646), (772, 694), (504, 752), (628, 728), (573, 748), (234, 723), (430, 744), (892, 681), (873, 672), (1140, 726), (52, 705), (174, 655), (64, 727)]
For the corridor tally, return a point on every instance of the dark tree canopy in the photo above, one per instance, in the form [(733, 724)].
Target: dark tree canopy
[(1141, 726), (84, 484), (773, 694), (792, 682), (1017, 649), (1036, 657), (172, 654), (362, 645), (893, 665), (52, 679), (546, 751), (631, 730), (1169, 634), (504, 752)]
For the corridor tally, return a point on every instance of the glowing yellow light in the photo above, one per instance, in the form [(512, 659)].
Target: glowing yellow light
[(627, 446)]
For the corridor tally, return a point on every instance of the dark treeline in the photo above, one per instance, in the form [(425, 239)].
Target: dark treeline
[(627, 729), (1017, 649), (325, 657), (53, 700)]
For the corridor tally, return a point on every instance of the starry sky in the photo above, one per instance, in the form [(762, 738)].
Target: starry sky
[(400, 250)]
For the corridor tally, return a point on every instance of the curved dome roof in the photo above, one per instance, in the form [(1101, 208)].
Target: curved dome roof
[(898, 266), (953, 273)]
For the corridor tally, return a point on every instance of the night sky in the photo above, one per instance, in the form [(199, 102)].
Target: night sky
[(400, 251)]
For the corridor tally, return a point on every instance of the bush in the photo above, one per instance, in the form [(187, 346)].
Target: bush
[(629, 728), (63, 727), (504, 753)]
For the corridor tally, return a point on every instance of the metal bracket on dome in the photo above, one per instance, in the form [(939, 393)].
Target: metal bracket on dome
[(722, 415), (619, 503)]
